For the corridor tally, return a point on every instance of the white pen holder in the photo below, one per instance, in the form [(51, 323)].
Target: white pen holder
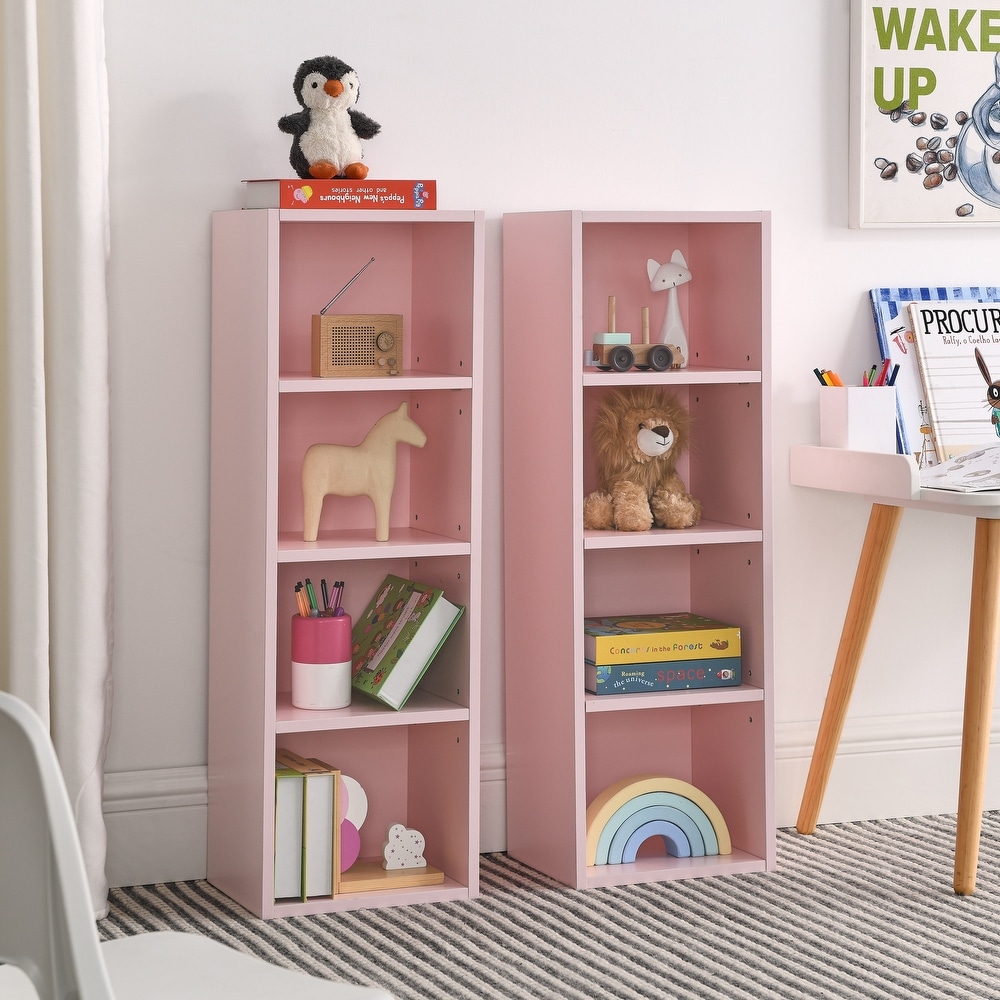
[(861, 418)]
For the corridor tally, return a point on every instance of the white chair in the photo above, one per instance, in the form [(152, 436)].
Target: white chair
[(48, 936)]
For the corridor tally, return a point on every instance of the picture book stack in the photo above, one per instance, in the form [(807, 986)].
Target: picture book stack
[(397, 636), (629, 654), (306, 830)]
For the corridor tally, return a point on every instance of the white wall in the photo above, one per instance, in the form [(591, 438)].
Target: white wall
[(528, 104)]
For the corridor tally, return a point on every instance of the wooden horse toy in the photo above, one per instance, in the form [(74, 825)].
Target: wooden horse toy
[(367, 469)]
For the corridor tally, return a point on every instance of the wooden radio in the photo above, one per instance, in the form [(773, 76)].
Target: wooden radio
[(357, 345)]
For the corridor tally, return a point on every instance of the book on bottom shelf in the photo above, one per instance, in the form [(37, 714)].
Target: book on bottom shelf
[(336, 193), (289, 845), (897, 342), (956, 381), (655, 638), (318, 828), (671, 675), (397, 636)]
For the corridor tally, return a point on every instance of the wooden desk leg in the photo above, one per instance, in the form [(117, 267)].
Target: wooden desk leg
[(872, 563), (980, 671)]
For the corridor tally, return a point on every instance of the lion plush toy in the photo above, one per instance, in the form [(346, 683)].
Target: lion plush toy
[(639, 434)]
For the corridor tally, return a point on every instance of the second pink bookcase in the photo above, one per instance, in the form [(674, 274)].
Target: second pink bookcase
[(565, 746)]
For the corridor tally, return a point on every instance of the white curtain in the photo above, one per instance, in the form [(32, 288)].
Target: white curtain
[(55, 537)]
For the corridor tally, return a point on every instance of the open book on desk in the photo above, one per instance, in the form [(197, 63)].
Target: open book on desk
[(976, 471)]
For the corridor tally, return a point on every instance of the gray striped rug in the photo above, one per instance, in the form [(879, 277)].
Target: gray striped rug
[(856, 910)]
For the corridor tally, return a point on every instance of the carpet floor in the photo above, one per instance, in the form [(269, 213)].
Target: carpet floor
[(856, 910)]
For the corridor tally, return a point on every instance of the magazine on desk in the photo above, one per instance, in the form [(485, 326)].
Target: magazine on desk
[(976, 471), (958, 354)]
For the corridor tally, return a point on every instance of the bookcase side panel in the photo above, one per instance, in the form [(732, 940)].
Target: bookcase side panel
[(445, 297), (443, 800), (441, 483), (728, 583), (454, 671), (726, 306), (543, 568), (732, 762), (726, 470), (241, 633)]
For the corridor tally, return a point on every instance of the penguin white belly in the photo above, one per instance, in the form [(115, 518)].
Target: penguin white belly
[(330, 137)]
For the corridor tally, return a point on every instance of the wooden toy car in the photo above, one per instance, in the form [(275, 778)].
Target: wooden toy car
[(622, 357), (614, 351)]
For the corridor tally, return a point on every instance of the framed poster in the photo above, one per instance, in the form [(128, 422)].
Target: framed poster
[(925, 115)]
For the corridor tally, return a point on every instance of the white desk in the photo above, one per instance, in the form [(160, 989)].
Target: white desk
[(891, 483)]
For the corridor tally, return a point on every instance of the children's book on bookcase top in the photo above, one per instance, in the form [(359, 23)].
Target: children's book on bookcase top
[(350, 194), (958, 355), (397, 636), (896, 341)]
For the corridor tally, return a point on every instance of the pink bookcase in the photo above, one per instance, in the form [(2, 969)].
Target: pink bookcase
[(565, 746), (272, 270)]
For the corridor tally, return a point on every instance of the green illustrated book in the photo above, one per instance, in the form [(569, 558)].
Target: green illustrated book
[(397, 637)]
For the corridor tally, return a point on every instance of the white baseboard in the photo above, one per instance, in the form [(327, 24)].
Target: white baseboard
[(887, 766), (905, 765), (157, 825)]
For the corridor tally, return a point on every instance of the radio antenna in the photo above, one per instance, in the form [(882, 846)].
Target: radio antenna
[(322, 311)]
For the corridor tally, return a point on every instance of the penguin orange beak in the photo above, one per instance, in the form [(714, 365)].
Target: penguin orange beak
[(333, 87)]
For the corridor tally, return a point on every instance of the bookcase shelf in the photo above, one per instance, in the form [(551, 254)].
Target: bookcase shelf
[(271, 271), (422, 708), (744, 693), (565, 746)]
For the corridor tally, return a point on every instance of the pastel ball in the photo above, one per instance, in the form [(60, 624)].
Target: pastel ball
[(357, 807), (350, 844), (345, 798)]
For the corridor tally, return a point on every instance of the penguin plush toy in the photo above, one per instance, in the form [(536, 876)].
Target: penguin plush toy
[(328, 131)]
